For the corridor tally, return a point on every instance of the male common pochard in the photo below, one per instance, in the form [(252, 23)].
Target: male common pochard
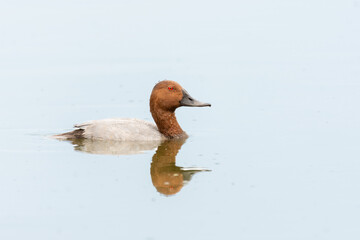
[(165, 98)]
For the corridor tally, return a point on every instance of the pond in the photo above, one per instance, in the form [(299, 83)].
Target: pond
[(275, 157)]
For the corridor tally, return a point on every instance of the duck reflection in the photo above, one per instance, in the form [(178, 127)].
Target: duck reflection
[(110, 147), (166, 176)]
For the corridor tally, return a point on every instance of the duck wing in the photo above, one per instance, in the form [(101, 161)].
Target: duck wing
[(123, 129)]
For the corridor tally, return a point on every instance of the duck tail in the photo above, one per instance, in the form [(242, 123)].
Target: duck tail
[(76, 134)]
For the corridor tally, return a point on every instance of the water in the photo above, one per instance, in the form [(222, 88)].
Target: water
[(275, 157)]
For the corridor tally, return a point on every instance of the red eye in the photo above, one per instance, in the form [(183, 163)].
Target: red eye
[(170, 88)]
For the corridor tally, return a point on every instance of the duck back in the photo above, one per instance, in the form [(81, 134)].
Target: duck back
[(123, 129)]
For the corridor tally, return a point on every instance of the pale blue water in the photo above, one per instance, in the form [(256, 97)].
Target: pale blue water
[(281, 138)]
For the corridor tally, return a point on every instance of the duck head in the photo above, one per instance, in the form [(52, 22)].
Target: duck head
[(165, 98)]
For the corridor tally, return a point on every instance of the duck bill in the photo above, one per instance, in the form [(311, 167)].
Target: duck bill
[(189, 101)]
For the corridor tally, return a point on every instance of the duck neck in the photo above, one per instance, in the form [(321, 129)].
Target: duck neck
[(167, 123)]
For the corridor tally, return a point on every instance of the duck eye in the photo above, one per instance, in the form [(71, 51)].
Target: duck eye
[(170, 88)]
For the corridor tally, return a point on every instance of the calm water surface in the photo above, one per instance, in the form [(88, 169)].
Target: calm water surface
[(275, 157)]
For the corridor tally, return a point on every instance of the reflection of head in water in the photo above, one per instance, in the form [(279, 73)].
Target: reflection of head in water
[(168, 178)]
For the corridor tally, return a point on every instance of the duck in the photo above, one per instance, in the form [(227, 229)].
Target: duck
[(165, 98)]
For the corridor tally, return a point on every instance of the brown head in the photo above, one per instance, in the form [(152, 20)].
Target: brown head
[(165, 98)]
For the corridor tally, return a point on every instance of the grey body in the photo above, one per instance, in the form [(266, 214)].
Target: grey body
[(120, 129)]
